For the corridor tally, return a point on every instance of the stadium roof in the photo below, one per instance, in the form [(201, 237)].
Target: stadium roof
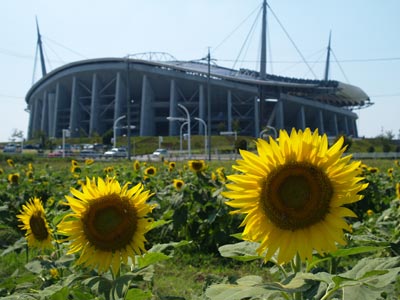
[(331, 91)]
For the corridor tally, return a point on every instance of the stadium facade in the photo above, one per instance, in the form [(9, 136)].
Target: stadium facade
[(87, 97), (90, 97)]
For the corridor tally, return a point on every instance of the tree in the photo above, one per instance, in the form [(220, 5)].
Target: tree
[(17, 134)]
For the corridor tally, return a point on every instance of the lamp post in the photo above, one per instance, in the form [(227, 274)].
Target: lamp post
[(268, 128), (180, 132), (205, 135), (65, 133), (188, 121), (115, 129), (180, 136)]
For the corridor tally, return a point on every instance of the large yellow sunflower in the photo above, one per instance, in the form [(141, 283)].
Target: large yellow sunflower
[(38, 232), (107, 224), (292, 193)]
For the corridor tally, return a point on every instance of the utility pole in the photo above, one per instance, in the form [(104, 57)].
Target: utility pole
[(128, 108), (263, 58), (209, 104), (263, 63)]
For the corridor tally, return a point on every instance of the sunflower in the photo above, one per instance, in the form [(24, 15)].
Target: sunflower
[(221, 174), (150, 171), (89, 161), (38, 232), (75, 169), (29, 175), (398, 190), (292, 194), (178, 184), (390, 172), (373, 170), (171, 166), (107, 224), (13, 178), (136, 165), (10, 162), (197, 165), (108, 170), (1, 171)]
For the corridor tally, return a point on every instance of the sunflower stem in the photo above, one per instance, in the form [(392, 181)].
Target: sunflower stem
[(297, 267)]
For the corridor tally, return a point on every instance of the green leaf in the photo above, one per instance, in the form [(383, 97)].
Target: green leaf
[(19, 244), (344, 252), (252, 286), (368, 278), (145, 274), (369, 269), (57, 218), (235, 292), (137, 294), (121, 285), (167, 246), (237, 236), (159, 223), (356, 250), (151, 258), (250, 280), (37, 266), (99, 285), (61, 294), (243, 251)]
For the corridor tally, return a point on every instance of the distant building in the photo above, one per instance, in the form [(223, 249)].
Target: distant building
[(87, 97)]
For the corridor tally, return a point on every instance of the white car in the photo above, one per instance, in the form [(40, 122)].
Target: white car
[(116, 152), (160, 154)]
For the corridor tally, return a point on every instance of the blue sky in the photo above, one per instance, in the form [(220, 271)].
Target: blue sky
[(365, 43)]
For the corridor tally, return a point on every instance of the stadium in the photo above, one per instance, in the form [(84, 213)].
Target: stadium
[(87, 97), (150, 95)]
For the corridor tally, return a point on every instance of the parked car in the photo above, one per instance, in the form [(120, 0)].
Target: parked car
[(59, 153), (116, 152), (10, 148), (88, 153), (160, 153)]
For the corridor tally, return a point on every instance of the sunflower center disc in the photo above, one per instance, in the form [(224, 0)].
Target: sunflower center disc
[(197, 166), (38, 227), (110, 223), (296, 195), (107, 220), (294, 192)]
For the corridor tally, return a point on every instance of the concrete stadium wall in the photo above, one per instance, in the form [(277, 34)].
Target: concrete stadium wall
[(87, 97)]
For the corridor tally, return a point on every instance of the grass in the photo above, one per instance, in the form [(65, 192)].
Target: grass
[(186, 275)]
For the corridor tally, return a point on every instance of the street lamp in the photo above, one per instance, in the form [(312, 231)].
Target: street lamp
[(205, 134), (180, 132), (65, 133), (180, 136), (268, 128), (115, 129), (188, 121)]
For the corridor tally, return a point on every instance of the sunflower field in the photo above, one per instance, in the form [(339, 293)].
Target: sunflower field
[(296, 219)]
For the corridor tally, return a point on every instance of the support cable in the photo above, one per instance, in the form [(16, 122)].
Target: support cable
[(236, 28), (247, 37), (291, 40), (340, 67)]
